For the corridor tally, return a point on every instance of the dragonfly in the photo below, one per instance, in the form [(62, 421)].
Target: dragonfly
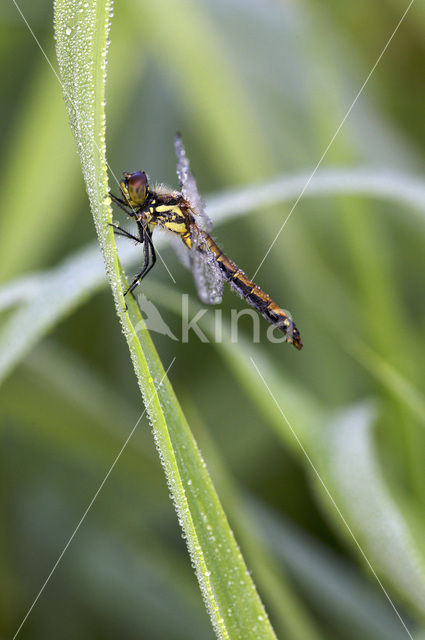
[(183, 214)]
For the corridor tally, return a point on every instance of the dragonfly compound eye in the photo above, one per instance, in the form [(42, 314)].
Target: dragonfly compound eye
[(137, 187)]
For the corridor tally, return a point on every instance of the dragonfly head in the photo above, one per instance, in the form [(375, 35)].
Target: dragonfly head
[(135, 188)]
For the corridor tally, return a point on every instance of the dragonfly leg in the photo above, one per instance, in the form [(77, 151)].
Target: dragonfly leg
[(150, 257), (122, 205), (123, 232)]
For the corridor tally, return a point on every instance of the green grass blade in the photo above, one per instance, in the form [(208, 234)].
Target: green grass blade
[(51, 296), (372, 182), (350, 464), (39, 133), (392, 379), (336, 588), (229, 594)]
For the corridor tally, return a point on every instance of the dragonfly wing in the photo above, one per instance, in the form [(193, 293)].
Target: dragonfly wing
[(206, 271), (188, 185)]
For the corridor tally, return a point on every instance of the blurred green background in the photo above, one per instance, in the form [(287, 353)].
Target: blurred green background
[(257, 89)]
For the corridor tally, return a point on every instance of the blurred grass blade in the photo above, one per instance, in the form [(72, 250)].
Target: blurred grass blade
[(350, 465), (229, 594), (40, 133), (334, 585), (71, 379), (372, 182), (398, 385), (56, 293), (21, 289)]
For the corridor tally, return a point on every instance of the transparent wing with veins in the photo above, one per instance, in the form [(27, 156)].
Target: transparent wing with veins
[(188, 185), (206, 271)]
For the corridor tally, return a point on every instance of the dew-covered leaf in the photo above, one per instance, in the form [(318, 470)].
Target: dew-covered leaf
[(227, 588)]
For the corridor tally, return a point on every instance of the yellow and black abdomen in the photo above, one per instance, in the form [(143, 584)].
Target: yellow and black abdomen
[(255, 296)]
